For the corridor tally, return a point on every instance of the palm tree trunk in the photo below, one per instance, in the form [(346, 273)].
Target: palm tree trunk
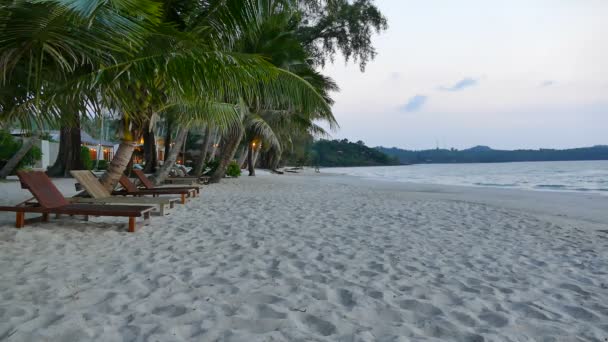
[(216, 142), (163, 172), (12, 163), (68, 157), (118, 165), (250, 161), (150, 155), (242, 156), (230, 143), (256, 155), (168, 137), (202, 157)]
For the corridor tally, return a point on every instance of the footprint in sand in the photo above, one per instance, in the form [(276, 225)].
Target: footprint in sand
[(346, 298), (375, 294), (580, 313), (319, 325), (170, 310), (464, 319), (266, 312), (529, 312), (494, 319), (420, 307)]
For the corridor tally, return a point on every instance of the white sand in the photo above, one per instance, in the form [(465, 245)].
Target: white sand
[(315, 258)]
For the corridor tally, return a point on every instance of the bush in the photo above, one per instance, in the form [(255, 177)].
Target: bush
[(85, 157), (233, 169), (213, 165), (103, 165), (9, 146)]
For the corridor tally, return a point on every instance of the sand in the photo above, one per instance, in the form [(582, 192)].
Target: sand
[(315, 258)]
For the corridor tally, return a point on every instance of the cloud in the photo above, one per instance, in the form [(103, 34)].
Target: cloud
[(547, 83), (461, 85), (414, 103), (394, 76)]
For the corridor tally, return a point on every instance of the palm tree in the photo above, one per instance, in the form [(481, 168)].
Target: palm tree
[(138, 65), (276, 40)]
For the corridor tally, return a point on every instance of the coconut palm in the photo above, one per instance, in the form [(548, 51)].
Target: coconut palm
[(276, 40), (151, 68)]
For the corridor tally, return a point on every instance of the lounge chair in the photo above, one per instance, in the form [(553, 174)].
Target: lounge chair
[(51, 201), (150, 186), (101, 195), (187, 180), (129, 189)]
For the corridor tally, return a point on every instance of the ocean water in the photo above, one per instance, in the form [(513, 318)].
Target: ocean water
[(573, 176)]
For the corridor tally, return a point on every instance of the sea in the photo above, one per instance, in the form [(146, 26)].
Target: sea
[(570, 176)]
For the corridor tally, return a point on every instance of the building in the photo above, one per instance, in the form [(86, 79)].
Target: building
[(97, 147)]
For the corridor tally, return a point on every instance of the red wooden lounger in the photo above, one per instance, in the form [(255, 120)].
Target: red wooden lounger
[(131, 189), (51, 201), (187, 179), (145, 181)]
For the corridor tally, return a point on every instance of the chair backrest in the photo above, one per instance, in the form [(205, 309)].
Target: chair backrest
[(143, 179), (127, 184), (90, 183), (41, 186)]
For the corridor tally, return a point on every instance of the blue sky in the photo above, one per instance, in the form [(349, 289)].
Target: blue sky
[(508, 74)]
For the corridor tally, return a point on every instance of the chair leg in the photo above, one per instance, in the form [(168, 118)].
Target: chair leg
[(20, 220), (146, 218), (131, 224), (183, 198), (161, 209), (45, 217)]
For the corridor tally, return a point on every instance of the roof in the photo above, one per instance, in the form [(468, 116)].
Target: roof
[(85, 137)]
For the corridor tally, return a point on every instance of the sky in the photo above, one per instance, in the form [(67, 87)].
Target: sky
[(503, 73)]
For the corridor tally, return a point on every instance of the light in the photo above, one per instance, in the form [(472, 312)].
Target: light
[(253, 144)]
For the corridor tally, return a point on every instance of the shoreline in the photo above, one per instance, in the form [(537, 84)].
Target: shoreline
[(313, 257)]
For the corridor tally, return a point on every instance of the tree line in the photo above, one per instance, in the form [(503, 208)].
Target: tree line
[(483, 154), (337, 153)]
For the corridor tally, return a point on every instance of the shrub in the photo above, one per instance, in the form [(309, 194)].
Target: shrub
[(233, 169), (212, 165), (103, 165), (9, 146), (85, 157)]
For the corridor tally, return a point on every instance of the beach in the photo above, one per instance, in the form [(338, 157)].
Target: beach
[(315, 257)]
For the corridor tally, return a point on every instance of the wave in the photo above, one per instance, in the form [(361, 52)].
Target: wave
[(556, 177), (550, 186), (497, 184)]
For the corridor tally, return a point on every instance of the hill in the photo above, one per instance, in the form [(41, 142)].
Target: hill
[(484, 154), (346, 153)]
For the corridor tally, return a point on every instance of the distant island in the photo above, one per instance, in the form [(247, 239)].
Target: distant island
[(345, 153), (485, 154)]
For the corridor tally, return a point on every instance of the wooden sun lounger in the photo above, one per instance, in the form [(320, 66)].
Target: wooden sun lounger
[(101, 195), (131, 190), (51, 201), (150, 186), (187, 180)]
